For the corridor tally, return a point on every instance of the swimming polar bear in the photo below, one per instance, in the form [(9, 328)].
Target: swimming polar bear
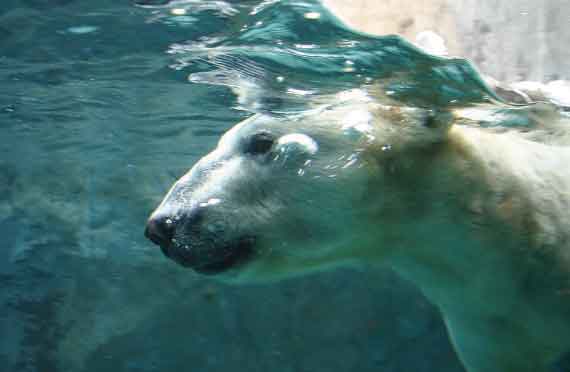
[(477, 218)]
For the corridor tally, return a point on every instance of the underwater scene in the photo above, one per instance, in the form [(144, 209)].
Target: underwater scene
[(105, 104)]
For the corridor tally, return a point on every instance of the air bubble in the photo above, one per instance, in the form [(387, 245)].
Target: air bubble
[(79, 30), (178, 11), (312, 15)]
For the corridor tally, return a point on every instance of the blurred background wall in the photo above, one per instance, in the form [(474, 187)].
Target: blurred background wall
[(510, 40)]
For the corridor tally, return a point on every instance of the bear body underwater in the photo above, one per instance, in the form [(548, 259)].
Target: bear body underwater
[(477, 218)]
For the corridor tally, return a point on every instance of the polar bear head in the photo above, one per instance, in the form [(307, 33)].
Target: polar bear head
[(280, 197)]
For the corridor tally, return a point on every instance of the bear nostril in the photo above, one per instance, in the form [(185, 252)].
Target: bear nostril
[(160, 230)]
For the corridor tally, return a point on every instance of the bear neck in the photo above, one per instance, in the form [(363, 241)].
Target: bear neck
[(478, 223), (455, 214)]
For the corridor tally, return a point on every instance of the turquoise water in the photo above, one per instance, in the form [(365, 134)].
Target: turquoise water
[(102, 106)]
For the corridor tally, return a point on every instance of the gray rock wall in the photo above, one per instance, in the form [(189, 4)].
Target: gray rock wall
[(509, 40)]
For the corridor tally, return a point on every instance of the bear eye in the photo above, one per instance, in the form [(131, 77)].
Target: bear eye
[(259, 143)]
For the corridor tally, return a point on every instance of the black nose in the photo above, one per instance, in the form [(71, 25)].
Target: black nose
[(160, 229)]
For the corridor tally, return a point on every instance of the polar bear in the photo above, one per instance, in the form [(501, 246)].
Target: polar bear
[(478, 218)]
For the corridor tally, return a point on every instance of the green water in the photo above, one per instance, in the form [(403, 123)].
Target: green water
[(97, 119)]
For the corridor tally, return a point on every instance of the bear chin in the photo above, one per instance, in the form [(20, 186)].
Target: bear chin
[(235, 254)]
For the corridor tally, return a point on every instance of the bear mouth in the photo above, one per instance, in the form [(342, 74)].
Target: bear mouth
[(234, 254)]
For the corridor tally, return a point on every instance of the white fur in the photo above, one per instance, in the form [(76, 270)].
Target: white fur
[(477, 218)]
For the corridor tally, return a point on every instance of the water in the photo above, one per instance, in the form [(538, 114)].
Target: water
[(97, 119)]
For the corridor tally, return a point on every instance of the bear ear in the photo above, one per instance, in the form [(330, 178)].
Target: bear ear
[(402, 126), (438, 120), (435, 124), (435, 121)]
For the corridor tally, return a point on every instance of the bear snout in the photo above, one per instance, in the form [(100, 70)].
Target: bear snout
[(161, 227), (160, 230), (186, 240)]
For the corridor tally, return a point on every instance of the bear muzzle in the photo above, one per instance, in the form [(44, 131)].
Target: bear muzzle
[(212, 256), (231, 255), (161, 226), (160, 230)]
